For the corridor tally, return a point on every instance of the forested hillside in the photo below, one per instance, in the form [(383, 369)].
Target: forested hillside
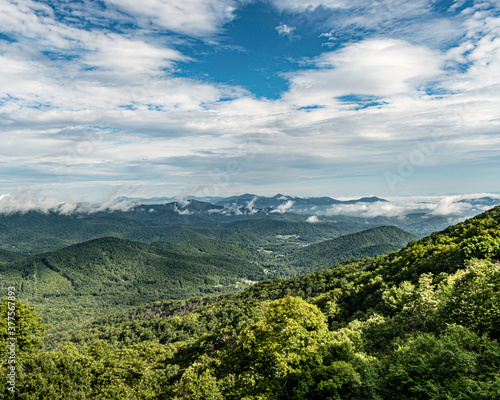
[(35, 232), (367, 243), (70, 285), (94, 278), (419, 323), (9, 256)]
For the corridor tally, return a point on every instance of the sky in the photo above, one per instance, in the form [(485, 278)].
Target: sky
[(221, 97)]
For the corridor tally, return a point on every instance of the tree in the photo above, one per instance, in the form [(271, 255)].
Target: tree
[(198, 382), (291, 354), (21, 333), (291, 331), (28, 327), (475, 299), (459, 365)]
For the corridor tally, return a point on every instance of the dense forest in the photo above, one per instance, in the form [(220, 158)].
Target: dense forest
[(94, 278), (422, 322)]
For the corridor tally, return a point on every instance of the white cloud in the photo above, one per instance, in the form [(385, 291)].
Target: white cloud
[(480, 51), (283, 208), (183, 202), (24, 199), (182, 212), (92, 69), (369, 209), (298, 5), (120, 88), (374, 67), (462, 205), (466, 205), (250, 206), (361, 12), (448, 206), (384, 18), (121, 55), (286, 31), (191, 17)]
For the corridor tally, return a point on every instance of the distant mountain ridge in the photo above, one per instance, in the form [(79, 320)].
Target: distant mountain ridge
[(253, 201), (36, 231)]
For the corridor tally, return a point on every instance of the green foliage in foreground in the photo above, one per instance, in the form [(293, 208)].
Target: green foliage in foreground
[(286, 353), (421, 323)]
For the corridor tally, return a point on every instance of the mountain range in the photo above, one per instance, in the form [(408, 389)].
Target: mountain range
[(256, 201), (103, 275), (418, 323), (36, 231)]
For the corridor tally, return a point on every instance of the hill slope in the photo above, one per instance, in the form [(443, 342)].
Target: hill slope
[(9, 256), (433, 298), (302, 231), (355, 286), (366, 243), (94, 277), (421, 323), (38, 232)]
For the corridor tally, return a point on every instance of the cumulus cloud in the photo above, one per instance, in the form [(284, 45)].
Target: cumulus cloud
[(449, 205), (356, 109), (199, 18), (283, 208), (374, 67), (113, 52), (287, 31), (313, 219)]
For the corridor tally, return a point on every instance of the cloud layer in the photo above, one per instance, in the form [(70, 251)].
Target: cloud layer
[(92, 96), (461, 205)]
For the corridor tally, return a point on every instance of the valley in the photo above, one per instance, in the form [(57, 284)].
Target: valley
[(100, 276), (164, 303)]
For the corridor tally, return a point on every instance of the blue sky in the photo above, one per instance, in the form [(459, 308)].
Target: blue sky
[(220, 97)]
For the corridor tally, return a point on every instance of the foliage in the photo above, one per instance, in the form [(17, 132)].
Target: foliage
[(367, 243), (456, 365), (474, 300), (420, 323), (94, 278), (26, 327), (10, 256)]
